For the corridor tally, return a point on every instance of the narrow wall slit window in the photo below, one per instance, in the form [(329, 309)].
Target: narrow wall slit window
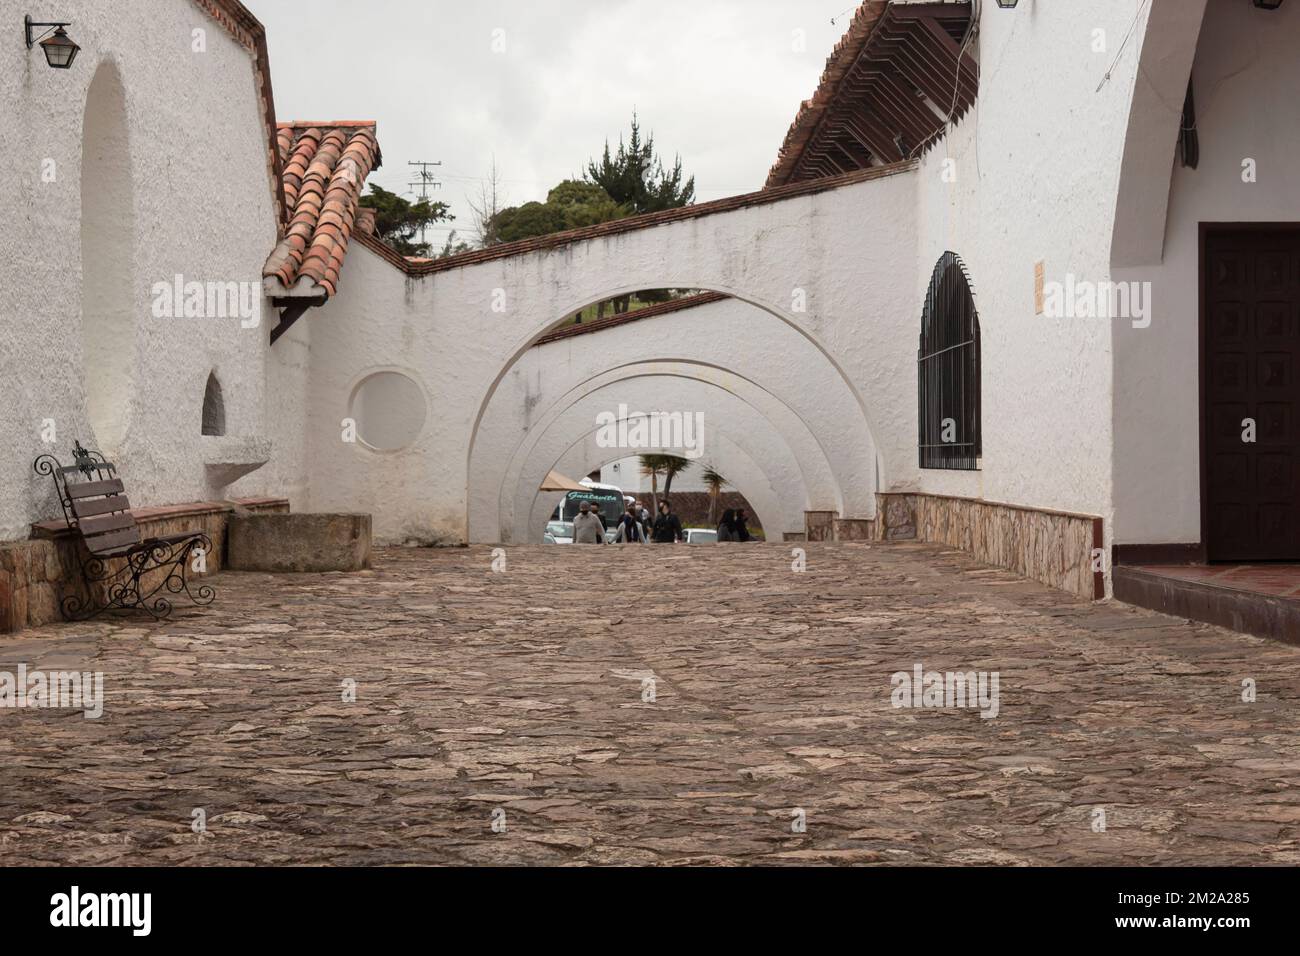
[(214, 408), (948, 371)]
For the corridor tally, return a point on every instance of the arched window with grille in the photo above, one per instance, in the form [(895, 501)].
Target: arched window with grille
[(948, 371)]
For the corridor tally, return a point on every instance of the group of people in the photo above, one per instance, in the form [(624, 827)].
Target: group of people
[(733, 526), (635, 527)]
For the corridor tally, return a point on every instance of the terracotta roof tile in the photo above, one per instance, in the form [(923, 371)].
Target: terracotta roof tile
[(325, 170)]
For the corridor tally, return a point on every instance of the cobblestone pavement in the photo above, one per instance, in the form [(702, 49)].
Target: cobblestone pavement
[(517, 697)]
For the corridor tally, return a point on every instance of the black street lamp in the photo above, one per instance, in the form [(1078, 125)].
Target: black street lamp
[(59, 49)]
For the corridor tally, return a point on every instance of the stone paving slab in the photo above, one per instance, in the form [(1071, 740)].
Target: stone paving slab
[(515, 697)]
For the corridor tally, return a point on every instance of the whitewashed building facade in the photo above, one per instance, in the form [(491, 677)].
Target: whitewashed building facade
[(919, 294)]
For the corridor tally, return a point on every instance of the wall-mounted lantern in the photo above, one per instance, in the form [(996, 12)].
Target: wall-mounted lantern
[(1268, 4), (1008, 4), (59, 49)]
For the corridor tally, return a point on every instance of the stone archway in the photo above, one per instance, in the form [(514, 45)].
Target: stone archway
[(696, 342), (802, 256), (744, 427), (742, 472), (658, 385)]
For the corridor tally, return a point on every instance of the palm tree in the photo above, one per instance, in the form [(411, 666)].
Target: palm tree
[(673, 466), (652, 466), (714, 482)]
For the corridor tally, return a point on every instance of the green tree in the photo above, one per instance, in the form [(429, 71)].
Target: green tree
[(527, 221), (398, 221), (584, 204), (635, 176), (570, 205)]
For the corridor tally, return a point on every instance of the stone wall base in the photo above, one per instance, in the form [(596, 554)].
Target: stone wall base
[(1053, 547), (854, 529), (288, 543), (819, 525), (36, 574)]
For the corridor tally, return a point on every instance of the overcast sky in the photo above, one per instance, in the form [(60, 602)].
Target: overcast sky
[(717, 81)]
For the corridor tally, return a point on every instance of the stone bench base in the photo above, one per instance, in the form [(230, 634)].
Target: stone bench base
[(298, 542), (37, 572)]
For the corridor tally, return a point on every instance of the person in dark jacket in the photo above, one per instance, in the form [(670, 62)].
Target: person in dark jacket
[(668, 529), (727, 526), (741, 530), (629, 528)]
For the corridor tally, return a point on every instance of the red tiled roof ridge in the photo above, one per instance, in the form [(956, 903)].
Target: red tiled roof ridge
[(325, 124), (631, 223), (810, 111), (649, 312)]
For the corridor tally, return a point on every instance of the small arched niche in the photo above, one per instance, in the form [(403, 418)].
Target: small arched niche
[(214, 407)]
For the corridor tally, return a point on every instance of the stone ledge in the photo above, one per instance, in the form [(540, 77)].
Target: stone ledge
[(1262, 615), (58, 528)]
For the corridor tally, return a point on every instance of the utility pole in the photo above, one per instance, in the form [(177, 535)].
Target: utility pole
[(424, 181)]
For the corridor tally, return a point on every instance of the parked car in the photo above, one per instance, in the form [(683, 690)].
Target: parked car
[(558, 532), (700, 535)]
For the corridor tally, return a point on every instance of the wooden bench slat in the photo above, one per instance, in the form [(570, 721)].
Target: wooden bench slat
[(108, 522), (98, 544), (90, 489), (89, 507)]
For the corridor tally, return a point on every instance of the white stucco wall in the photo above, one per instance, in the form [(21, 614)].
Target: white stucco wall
[(1037, 167), (1034, 168), (1245, 77), (850, 252), (202, 207)]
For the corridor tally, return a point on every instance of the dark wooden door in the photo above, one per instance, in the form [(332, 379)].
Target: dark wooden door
[(1251, 370)]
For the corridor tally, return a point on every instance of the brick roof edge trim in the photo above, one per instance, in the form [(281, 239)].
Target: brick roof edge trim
[(632, 223), (649, 312), (248, 31)]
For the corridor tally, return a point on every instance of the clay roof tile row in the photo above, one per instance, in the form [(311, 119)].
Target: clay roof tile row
[(325, 170)]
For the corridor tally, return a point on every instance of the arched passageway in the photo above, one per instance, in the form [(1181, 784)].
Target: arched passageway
[(743, 427), (801, 256), (724, 399), (729, 342)]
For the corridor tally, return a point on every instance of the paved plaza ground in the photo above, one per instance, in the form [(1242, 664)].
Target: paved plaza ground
[(661, 705)]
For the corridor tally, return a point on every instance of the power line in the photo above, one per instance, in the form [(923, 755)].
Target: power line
[(424, 179)]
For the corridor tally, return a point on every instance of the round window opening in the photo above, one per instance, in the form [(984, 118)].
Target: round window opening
[(389, 410)]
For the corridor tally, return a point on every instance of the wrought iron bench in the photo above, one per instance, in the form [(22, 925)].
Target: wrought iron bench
[(119, 569)]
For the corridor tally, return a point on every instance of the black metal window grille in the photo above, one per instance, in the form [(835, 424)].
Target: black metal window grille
[(948, 371)]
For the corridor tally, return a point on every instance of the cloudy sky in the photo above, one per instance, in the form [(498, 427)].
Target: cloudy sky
[(717, 81)]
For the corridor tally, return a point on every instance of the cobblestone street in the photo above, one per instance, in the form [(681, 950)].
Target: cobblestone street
[(526, 692)]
